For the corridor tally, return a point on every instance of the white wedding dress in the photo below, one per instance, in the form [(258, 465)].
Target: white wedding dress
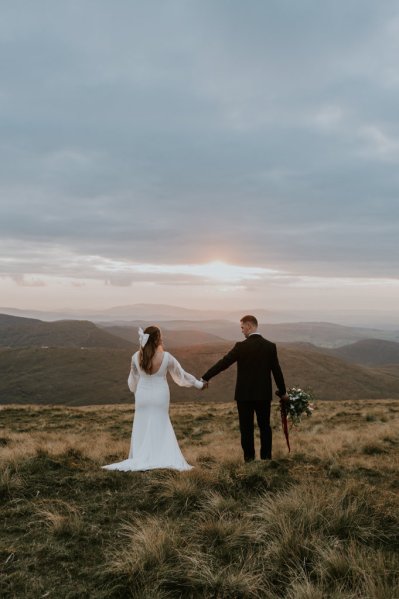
[(154, 443)]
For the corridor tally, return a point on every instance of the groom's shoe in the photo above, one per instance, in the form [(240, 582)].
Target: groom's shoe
[(249, 459)]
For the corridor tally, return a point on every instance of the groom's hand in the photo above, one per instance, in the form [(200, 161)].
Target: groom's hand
[(205, 385), (284, 397)]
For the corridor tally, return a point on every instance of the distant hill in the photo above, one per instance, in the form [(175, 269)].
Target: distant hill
[(151, 313), (99, 376), (172, 339), (224, 325), (29, 332), (367, 352), (371, 352), (324, 334), (162, 312)]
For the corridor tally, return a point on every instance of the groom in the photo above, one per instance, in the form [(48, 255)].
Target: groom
[(256, 360)]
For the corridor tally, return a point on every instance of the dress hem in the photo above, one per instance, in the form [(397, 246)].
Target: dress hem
[(128, 468)]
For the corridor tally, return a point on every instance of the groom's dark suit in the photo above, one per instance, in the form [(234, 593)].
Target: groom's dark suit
[(256, 359)]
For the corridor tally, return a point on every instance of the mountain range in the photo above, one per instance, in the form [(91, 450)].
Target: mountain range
[(79, 363), (25, 332), (153, 313), (324, 334)]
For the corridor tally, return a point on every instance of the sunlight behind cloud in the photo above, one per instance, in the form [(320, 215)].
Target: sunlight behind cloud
[(216, 271)]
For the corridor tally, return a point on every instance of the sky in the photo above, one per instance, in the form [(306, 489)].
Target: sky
[(199, 153)]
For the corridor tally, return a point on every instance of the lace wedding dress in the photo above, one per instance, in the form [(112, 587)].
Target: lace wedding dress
[(154, 443)]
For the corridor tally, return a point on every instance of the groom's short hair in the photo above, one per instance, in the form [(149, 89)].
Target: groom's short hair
[(249, 318)]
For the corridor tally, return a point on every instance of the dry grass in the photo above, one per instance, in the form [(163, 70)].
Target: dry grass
[(10, 481), (59, 517), (320, 522)]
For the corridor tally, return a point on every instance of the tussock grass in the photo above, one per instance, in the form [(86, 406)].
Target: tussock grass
[(159, 559), (59, 517), (214, 505), (148, 545), (321, 522), (11, 482), (344, 512), (179, 494)]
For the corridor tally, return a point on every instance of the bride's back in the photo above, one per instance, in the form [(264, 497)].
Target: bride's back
[(157, 361)]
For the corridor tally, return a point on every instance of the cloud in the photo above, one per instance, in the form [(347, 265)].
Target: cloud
[(24, 281), (265, 136), (57, 266), (380, 144), (328, 117)]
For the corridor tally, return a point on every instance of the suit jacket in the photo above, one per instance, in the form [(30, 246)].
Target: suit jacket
[(256, 359)]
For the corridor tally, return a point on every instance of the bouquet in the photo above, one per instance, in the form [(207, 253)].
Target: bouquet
[(300, 402)]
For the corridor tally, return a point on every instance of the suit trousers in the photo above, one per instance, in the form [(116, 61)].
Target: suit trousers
[(246, 411)]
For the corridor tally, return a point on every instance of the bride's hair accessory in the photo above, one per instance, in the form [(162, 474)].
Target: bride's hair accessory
[(143, 337)]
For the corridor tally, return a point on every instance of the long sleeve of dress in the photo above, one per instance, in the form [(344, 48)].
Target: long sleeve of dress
[(134, 376), (180, 376)]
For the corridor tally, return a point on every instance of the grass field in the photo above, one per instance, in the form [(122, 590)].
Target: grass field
[(320, 522)]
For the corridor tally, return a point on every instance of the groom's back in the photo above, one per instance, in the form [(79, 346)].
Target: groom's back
[(256, 359)]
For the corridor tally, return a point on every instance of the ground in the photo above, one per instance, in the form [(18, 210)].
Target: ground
[(319, 522)]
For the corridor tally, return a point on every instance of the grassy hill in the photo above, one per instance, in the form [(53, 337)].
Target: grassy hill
[(370, 352), (64, 376), (98, 376), (331, 378), (29, 332), (319, 523)]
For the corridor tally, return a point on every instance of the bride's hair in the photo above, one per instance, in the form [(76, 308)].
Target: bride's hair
[(148, 351)]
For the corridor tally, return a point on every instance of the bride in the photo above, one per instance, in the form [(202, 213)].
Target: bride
[(154, 443)]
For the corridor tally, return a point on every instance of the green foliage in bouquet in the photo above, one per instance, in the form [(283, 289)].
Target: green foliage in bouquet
[(300, 403)]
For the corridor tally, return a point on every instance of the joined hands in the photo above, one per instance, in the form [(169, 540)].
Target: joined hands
[(205, 384)]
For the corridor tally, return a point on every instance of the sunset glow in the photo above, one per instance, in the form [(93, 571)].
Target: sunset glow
[(214, 271)]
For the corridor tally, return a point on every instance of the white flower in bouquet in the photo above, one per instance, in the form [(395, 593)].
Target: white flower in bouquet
[(300, 402)]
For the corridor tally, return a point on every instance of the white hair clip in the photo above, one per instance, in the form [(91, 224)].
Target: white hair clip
[(143, 337)]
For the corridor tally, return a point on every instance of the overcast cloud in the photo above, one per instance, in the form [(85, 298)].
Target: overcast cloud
[(181, 132)]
